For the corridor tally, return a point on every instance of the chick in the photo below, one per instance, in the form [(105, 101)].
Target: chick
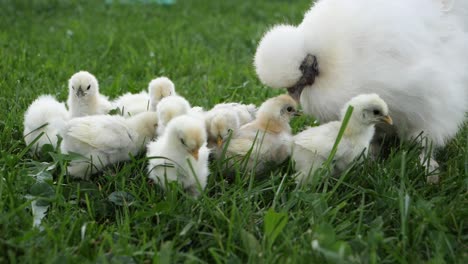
[(268, 136), (131, 104), (312, 147), (106, 139), (160, 88), (220, 123), (180, 155), (84, 97), (45, 115), (169, 108), (245, 113), (392, 48)]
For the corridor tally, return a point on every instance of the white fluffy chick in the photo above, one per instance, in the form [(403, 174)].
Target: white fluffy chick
[(220, 123), (414, 58), (106, 139), (45, 115), (169, 108), (268, 136), (180, 155), (84, 97), (131, 104), (312, 147), (245, 113), (160, 88)]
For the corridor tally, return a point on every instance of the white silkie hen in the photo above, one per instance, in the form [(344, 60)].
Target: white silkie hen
[(245, 113), (220, 123), (84, 97), (169, 108), (45, 115), (160, 88), (415, 58), (181, 155), (267, 138), (312, 147), (106, 139)]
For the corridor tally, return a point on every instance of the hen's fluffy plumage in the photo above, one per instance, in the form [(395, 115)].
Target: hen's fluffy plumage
[(183, 147), (105, 140), (44, 115), (84, 97), (414, 58), (312, 147), (268, 137)]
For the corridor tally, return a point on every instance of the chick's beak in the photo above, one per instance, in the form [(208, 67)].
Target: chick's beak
[(387, 119), (219, 141), (309, 69), (298, 113), (80, 92), (194, 153)]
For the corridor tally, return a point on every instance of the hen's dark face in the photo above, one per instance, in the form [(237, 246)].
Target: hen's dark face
[(309, 69)]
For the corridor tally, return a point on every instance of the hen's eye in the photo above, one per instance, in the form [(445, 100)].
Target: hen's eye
[(376, 112), (89, 87), (289, 109)]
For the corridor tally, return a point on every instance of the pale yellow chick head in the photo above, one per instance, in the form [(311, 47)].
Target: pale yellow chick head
[(368, 109), (171, 107), (188, 133), (220, 125), (281, 108), (83, 85), (161, 87)]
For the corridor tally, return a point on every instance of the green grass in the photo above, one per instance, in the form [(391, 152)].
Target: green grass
[(376, 212)]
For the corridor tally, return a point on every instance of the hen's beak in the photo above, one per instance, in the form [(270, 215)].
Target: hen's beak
[(309, 69), (194, 153), (219, 141), (387, 119)]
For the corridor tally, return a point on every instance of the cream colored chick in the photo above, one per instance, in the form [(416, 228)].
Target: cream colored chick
[(312, 147), (45, 115), (268, 136), (84, 98), (160, 88), (106, 139), (180, 155), (245, 113), (169, 108), (220, 123), (132, 104)]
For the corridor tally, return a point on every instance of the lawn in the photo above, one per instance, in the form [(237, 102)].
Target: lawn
[(376, 212)]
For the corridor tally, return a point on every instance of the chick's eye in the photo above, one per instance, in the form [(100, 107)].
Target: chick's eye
[(182, 141), (289, 109), (73, 87), (89, 87), (376, 112)]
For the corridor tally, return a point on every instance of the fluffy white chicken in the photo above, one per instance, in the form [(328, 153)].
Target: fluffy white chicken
[(245, 113), (312, 147), (267, 138), (160, 88), (106, 139), (414, 58), (131, 104), (169, 108), (219, 124), (45, 115), (84, 97), (180, 155)]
